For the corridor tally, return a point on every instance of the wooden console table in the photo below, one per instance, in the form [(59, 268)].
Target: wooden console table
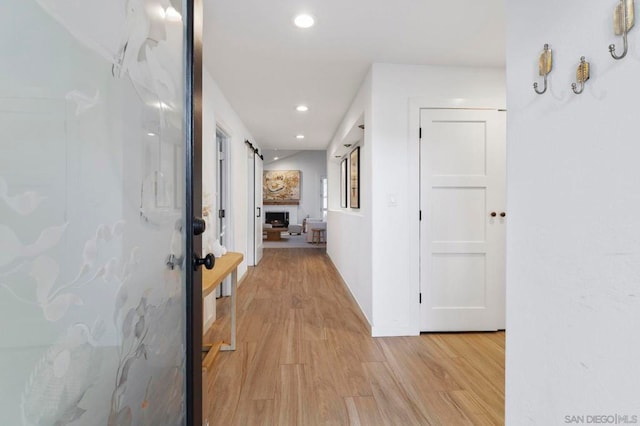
[(225, 265)]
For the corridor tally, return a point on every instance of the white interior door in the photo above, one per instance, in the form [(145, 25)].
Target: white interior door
[(224, 228), (259, 166), (462, 231), (222, 187)]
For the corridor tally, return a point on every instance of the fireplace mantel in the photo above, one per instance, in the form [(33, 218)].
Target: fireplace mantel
[(281, 203)]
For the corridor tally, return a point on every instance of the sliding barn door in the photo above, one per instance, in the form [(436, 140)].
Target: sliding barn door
[(255, 214)]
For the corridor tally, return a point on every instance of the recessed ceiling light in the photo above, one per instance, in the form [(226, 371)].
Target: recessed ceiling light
[(300, 137), (304, 21), (302, 108), (151, 134), (276, 158)]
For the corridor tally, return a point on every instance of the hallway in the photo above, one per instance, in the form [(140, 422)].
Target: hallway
[(305, 358)]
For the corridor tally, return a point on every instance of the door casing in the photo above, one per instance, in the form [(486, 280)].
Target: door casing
[(193, 181), (470, 101)]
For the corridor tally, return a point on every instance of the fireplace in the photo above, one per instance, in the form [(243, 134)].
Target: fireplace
[(277, 219)]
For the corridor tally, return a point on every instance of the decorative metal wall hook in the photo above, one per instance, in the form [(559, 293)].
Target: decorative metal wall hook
[(545, 63), (623, 21), (582, 75)]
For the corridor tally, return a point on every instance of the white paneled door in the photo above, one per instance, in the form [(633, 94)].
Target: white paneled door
[(462, 231)]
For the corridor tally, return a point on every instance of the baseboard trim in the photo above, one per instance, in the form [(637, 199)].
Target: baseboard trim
[(393, 332)]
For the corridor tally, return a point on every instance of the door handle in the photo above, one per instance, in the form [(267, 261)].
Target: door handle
[(199, 226), (208, 261), (259, 212)]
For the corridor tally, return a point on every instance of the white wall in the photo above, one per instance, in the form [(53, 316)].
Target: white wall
[(573, 263), (398, 93), (313, 166), (217, 110), (349, 244), (383, 276)]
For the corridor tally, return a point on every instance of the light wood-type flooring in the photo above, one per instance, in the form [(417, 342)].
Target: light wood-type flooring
[(305, 357)]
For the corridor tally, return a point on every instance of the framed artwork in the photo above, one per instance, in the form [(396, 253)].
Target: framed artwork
[(354, 169), (281, 187), (344, 186)]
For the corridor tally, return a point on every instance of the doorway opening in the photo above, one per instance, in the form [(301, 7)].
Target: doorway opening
[(224, 228)]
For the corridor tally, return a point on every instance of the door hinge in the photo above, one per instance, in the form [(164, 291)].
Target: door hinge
[(420, 133), (420, 215), (420, 298), (221, 214)]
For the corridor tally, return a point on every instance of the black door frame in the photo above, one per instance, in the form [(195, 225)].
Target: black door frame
[(193, 243)]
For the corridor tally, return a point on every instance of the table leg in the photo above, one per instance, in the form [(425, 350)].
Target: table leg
[(234, 288)]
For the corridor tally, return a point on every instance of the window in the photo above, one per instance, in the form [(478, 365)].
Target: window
[(324, 197)]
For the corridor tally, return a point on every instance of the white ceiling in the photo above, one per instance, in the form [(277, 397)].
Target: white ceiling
[(266, 66), (270, 155)]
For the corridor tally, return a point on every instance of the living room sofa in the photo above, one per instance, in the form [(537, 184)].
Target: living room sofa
[(294, 229)]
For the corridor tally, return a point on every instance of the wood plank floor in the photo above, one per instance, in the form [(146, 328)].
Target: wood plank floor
[(305, 357)]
